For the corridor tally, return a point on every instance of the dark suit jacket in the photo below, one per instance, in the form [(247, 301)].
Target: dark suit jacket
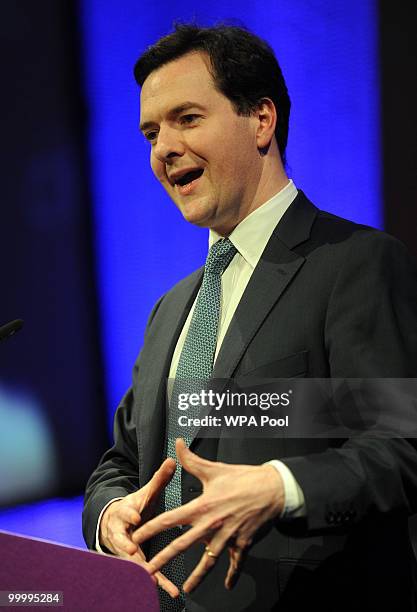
[(329, 298)]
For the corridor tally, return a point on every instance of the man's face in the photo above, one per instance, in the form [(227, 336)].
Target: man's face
[(203, 153)]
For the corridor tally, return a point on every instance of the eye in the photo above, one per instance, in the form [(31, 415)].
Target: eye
[(151, 135), (190, 118)]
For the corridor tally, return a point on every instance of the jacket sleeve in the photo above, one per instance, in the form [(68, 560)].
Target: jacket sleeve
[(371, 332), (117, 473)]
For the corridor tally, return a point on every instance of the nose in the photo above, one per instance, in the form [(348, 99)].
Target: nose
[(169, 145)]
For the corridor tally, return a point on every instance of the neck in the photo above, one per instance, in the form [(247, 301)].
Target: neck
[(272, 178)]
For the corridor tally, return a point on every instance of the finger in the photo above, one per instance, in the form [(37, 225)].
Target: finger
[(184, 515), (128, 515), (123, 521), (164, 474), (158, 577), (238, 549), (202, 568), (158, 482), (198, 533), (191, 462), (138, 557), (167, 585), (236, 556), (121, 543), (216, 547)]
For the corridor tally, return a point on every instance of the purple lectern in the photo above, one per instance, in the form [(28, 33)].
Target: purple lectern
[(87, 581)]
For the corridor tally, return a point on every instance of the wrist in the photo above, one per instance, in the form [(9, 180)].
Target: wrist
[(276, 489), (104, 525)]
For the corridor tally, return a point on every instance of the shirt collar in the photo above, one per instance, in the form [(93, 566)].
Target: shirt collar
[(252, 234)]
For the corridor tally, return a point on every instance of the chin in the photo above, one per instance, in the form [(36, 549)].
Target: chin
[(197, 220), (197, 215)]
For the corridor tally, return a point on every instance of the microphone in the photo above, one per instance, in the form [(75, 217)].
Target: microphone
[(10, 329)]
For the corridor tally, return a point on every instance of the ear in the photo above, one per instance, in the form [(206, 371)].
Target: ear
[(267, 117)]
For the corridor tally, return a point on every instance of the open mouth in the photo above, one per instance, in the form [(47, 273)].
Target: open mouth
[(189, 177)]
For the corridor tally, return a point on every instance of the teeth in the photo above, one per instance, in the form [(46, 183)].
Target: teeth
[(189, 176)]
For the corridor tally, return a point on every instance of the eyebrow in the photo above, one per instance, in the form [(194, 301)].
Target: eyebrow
[(177, 110)]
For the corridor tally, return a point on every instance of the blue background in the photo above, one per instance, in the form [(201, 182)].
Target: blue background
[(329, 55), (328, 51)]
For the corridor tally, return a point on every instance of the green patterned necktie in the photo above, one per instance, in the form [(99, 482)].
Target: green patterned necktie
[(195, 364)]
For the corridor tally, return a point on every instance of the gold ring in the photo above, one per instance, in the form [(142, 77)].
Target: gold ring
[(210, 553)]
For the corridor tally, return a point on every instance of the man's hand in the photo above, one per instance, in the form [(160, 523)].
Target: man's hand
[(123, 515), (236, 501)]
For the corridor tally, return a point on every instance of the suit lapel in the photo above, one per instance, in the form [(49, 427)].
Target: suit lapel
[(276, 269), (264, 289)]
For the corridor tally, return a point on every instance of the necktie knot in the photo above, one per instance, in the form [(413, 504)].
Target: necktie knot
[(220, 255)]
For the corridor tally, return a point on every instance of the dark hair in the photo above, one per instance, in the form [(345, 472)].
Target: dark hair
[(244, 68)]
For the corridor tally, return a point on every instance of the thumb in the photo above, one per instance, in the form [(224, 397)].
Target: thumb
[(157, 483), (191, 462), (146, 495), (163, 475)]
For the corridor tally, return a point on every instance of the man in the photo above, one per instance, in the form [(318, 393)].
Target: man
[(282, 524)]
